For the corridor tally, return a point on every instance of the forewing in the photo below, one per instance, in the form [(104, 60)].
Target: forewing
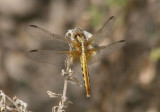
[(103, 32), (50, 40), (46, 56), (103, 51)]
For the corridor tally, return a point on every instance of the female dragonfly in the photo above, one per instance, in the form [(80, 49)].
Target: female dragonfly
[(85, 47)]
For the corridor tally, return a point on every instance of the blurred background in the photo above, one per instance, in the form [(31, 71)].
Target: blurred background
[(126, 81)]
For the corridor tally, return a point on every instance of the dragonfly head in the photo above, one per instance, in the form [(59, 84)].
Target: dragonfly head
[(77, 34)]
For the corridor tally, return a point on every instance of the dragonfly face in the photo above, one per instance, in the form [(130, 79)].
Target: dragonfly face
[(85, 47), (78, 36), (73, 33)]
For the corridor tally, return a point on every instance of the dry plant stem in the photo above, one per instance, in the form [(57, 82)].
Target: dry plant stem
[(11, 102), (64, 98), (66, 74), (18, 105)]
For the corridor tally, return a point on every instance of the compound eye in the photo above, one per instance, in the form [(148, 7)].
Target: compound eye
[(69, 35)]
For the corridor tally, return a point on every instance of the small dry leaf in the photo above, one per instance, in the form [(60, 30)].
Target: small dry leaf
[(2, 108), (2, 101), (75, 81), (69, 103), (70, 72), (22, 106), (67, 74), (54, 109), (53, 95)]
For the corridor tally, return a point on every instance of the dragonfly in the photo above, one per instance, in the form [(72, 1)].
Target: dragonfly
[(86, 47)]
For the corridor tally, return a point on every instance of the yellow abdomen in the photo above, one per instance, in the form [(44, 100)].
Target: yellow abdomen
[(85, 73)]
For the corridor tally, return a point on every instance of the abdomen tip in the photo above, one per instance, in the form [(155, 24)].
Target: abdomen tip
[(88, 96)]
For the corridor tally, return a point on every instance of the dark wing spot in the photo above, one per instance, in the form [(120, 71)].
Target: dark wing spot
[(33, 26), (122, 41), (33, 51), (111, 17)]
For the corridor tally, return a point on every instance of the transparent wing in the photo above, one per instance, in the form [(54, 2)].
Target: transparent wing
[(46, 56), (102, 51), (102, 33), (50, 40)]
